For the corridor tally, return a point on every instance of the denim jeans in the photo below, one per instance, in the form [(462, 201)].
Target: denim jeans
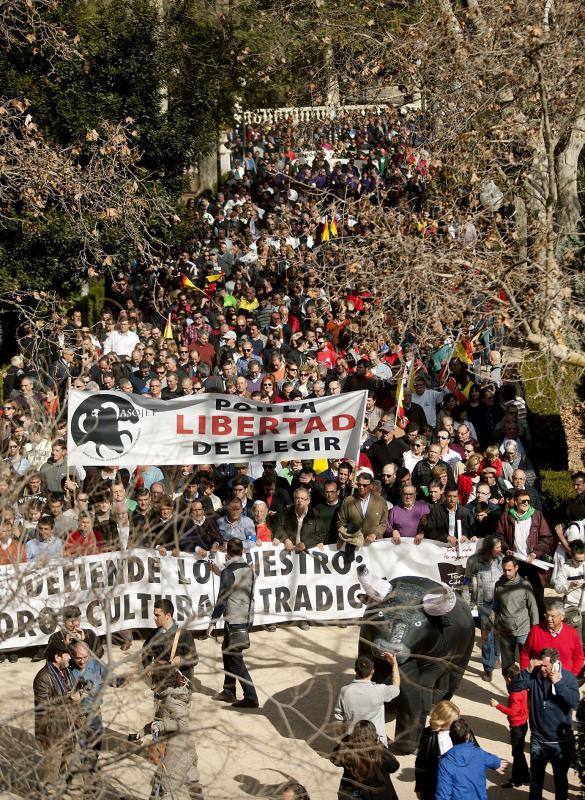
[(559, 755), (490, 647)]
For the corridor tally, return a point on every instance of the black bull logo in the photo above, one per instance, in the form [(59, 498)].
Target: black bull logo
[(98, 420), (432, 647)]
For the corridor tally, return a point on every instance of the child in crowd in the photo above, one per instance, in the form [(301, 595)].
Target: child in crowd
[(517, 713)]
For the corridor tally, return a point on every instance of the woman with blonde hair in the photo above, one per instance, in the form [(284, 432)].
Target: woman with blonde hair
[(467, 482), (435, 741)]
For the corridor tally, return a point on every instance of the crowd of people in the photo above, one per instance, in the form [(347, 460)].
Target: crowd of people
[(245, 312)]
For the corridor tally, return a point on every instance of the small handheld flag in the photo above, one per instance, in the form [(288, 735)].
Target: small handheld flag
[(186, 283), (168, 334)]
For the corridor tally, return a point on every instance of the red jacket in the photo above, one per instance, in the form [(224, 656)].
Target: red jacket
[(78, 545), (567, 642), (517, 710)]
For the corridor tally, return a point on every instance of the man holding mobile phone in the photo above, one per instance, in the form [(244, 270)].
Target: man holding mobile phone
[(553, 693)]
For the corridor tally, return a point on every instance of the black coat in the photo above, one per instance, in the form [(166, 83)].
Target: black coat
[(436, 524), (203, 536), (157, 648), (380, 453)]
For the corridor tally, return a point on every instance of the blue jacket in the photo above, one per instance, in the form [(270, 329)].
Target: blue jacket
[(550, 713), (462, 773)]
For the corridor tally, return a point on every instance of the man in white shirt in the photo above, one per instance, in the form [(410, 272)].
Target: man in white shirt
[(428, 399), (122, 341), (447, 455), (363, 699)]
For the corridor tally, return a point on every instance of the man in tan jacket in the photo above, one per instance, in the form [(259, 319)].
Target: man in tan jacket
[(362, 519)]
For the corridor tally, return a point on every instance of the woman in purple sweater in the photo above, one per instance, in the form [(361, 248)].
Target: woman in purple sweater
[(404, 518)]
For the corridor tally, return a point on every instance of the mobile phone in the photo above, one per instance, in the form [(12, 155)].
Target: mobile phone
[(556, 667)]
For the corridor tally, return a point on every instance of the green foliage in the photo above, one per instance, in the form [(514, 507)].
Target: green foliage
[(39, 254), (556, 490), (548, 385)]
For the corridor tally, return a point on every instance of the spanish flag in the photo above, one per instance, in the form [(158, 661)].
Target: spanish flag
[(186, 283), (214, 278), (400, 414), (333, 227), (325, 232), (168, 334), (463, 350)]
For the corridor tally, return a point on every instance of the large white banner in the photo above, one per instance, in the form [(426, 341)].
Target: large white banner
[(118, 590), (129, 429)]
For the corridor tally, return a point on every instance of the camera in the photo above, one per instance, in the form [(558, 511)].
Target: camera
[(134, 737)]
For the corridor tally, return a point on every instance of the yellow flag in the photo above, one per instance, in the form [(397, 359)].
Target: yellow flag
[(168, 334)]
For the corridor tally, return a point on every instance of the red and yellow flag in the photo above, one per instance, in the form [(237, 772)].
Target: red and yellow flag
[(333, 227), (186, 283), (214, 278)]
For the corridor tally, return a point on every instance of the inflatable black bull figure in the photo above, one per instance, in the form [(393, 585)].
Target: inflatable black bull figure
[(430, 630)]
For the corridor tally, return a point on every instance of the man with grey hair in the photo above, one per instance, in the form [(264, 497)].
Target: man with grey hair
[(554, 632), (519, 482), (319, 389)]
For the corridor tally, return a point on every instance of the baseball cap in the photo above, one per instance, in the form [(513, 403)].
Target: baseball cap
[(229, 335), (386, 426)]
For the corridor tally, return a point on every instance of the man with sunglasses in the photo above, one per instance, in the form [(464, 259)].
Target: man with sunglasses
[(525, 533), (362, 519), (448, 455)]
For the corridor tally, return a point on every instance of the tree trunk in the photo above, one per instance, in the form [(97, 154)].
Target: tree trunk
[(568, 212), (557, 351)]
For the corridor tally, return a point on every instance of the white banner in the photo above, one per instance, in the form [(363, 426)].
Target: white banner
[(119, 589), (129, 429)]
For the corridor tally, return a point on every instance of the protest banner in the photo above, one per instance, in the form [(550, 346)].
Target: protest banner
[(118, 590), (125, 430)]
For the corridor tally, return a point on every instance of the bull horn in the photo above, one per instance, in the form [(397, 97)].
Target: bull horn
[(439, 602), (376, 588)]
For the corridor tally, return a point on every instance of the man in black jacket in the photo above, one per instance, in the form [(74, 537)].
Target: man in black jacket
[(300, 527), (158, 646), (553, 693), (423, 471), (443, 522), (168, 656), (55, 712), (199, 533), (387, 449)]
